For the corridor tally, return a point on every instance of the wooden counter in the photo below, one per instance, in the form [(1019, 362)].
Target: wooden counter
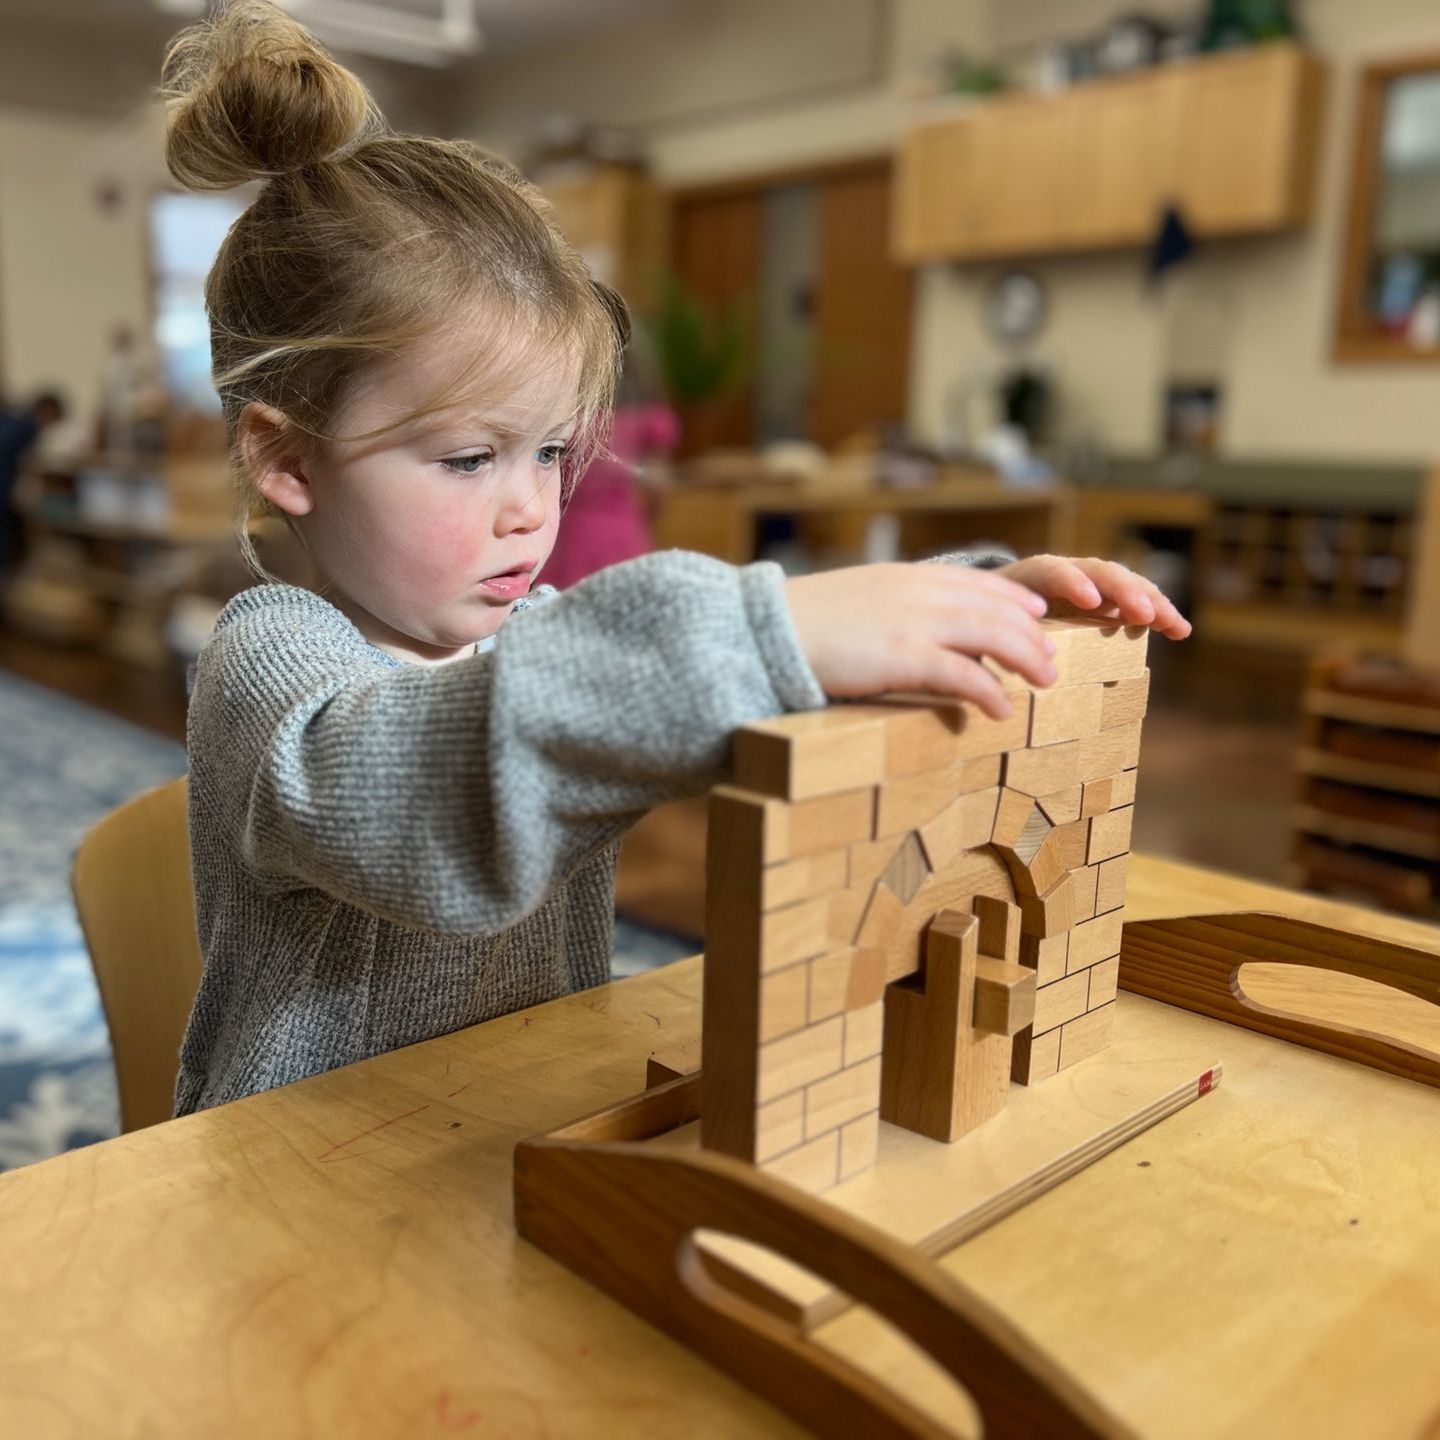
[(336, 1257)]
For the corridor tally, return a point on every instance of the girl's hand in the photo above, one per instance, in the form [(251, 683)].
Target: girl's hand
[(920, 627), (1100, 587)]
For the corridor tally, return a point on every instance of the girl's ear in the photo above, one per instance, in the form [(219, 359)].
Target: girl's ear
[(273, 460)]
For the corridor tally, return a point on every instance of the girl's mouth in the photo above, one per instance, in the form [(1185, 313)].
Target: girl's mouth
[(509, 584)]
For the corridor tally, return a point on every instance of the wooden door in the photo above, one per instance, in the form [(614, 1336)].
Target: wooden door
[(862, 309), (716, 249)]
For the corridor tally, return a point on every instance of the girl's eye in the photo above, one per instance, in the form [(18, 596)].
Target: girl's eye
[(466, 464), (549, 455)]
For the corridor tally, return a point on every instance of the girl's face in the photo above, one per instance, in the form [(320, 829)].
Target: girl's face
[(429, 533)]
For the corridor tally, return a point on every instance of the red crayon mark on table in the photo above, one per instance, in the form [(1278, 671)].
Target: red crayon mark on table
[(446, 1420), (528, 1021), (331, 1156), (460, 1091)]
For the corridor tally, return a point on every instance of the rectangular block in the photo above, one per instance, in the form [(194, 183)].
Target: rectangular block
[(817, 825), (846, 911), (783, 1002), (794, 932), (1063, 806), (1004, 996), (1110, 891), (814, 1166), (1045, 956), (1086, 1036), (1110, 835), (768, 830), (838, 1098), (1108, 753), (1094, 941), (999, 928), (780, 1126), (1065, 712), (1043, 771), (1059, 1001), (811, 753), (908, 803), (859, 1142), (1096, 798), (1035, 1057), (966, 822), (1122, 789), (1125, 702), (794, 880), (980, 735), (921, 737), (1104, 978), (864, 1032), (1087, 651), (844, 980), (795, 1060), (1087, 882), (881, 920), (1049, 914)]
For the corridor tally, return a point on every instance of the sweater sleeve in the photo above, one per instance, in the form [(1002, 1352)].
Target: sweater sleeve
[(455, 797)]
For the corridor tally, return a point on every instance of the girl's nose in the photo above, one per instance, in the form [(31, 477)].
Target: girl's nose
[(525, 505)]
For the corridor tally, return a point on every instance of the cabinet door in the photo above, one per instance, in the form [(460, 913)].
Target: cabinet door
[(1012, 203), (1246, 129), (930, 185), (1122, 154)]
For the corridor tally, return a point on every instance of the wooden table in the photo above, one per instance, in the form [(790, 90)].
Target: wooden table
[(336, 1257), (962, 504)]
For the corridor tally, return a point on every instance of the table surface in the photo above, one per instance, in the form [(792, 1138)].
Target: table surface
[(337, 1256)]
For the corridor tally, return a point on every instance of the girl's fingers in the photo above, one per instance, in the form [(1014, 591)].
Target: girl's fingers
[(1020, 648), (966, 679), (966, 582)]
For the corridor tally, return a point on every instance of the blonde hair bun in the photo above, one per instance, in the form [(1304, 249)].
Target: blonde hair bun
[(250, 94)]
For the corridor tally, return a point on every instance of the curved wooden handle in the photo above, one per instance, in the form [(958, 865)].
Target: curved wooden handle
[(625, 1215), (1195, 963)]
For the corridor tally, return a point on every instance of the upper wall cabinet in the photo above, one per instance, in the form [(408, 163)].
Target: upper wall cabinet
[(1230, 139)]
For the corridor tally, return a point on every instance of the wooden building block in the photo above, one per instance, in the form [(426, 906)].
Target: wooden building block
[(783, 1002), (868, 860), (841, 1097), (941, 1076), (1125, 702), (811, 753), (1066, 712), (1043, 771), (671, 1063), (769, 830), (909, 803), (1110, 892), (845, 980), (814, 1166), (1096, 799), (804, 879), (1087, 883), (1004, 996), (921, 736), (1050, 913), (882, 918), (907, 870), (795, 1060), (818, 825), (1094, 941), (1122, 789), (1072, 842), (780, 1126), (999, 928), (1063, 806), (1035, 1057), (1046, 957), (1086, 1036), (1108, 753), (1104, 978), (1020, 825), (794, 932), (847, 910), (980, 735), (1046, 868), (1110, 835), (1088, 650), (864, 1032), (859, 1143), (966, 822), (1058, 1002)]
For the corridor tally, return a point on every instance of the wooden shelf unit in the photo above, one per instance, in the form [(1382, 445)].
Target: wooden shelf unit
[(1231, 139), (1367, 817)]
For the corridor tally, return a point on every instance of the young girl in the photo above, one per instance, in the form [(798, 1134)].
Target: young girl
[(407, 788)]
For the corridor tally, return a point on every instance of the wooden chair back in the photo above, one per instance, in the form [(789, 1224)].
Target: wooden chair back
[(132, 888)]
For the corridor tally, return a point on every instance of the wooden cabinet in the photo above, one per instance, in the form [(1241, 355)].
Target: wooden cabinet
[(1231, 139), (614, 217)]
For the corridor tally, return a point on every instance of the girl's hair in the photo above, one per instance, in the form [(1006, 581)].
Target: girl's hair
[(362, 241)]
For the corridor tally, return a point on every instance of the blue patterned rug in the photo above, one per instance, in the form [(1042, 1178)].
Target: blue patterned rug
[(63, 765)]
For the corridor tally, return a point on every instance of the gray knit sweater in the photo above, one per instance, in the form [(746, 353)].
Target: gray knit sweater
[(385, 852)]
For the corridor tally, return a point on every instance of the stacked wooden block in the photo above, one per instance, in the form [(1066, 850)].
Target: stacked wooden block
[(845, 834)]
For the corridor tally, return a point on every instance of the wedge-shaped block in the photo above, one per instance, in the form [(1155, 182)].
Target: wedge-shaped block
[(1110, 835), (1050, 913), (812, 753), (1063, 806), (1004, 996), (965, 823), (1020, 825), (1066, 712), (913, 801), (882, 919)]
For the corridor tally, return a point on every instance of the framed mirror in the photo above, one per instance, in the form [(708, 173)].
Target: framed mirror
[(1390, 288)]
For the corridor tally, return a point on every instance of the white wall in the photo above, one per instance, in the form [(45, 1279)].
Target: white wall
[(1256, 315)]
